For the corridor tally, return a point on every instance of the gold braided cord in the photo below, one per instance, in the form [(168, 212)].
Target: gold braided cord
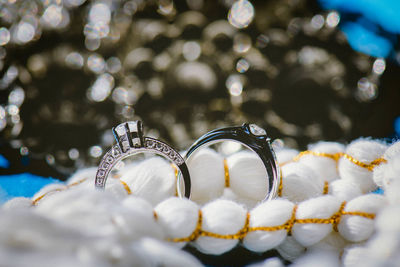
[(194, 235), (288, 226), (226, 173), (280, 187), (336, 156), (326, 188), (36, 200), (126, 187), (176, 173)]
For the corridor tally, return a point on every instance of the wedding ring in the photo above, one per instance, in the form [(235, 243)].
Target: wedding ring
[(130, 141), (254, 138)]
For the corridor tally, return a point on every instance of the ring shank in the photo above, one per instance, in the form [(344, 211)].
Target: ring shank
[(115, 155), (260, 146)]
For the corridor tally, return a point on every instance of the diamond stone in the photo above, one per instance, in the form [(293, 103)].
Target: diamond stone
[(150, 144), (133, 126), (257, 130), (121, 130)]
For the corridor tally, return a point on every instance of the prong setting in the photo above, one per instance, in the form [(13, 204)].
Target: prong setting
[(129, 135)]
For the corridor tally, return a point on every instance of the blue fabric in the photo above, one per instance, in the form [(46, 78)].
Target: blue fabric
[(22, 185), (4, 163), (378, 191), (396, 125), (371, 26)]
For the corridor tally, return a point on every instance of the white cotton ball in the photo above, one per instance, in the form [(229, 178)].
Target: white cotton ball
[(98, 213), (221, 217), (384, 248), (87, 174), (317, 259), (26, 230), (138, 204), (322, 208), (388, 220), (47, 192), (178, 217), (153, 179), (365, 151), (17, 203), (83, 178), (332, 242), (270, 262), (80, 208), (268, 214), (354, 256), (207, 175), (391, 172), (325, 167), (139, 217), (285, 155), (37, 258), (344, 190), (290, 249), (164, 254), (117, 189), (386, 173), (248, 176), (246, 202), (392, 192), (358, 228), (300, 182)]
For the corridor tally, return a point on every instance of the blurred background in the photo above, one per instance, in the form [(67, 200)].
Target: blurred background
[(305, 70)]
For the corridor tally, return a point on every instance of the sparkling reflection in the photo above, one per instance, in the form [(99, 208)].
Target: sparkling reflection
[(333, 19), (101, 88), (83, 66), (24, 32), (241, 14), (379, 66), (4, 36), (242, 65)]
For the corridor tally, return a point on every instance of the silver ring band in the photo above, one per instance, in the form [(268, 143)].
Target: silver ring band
[(130, 141), (254, 138)]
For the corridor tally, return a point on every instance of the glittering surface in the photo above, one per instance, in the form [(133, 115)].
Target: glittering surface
[(70, 70)]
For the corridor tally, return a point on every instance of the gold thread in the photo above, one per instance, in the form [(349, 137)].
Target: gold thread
[(289, 224), (195, 234), (334, 220), (116, 176), (36, 200), (326, 188), (126, 187), (313, 220), (360, 213), (336, 156), (239, 235), (176, 172), (280, 187), (155, 215), (226, 172), (369, 166), (268, 228), (245, 228)]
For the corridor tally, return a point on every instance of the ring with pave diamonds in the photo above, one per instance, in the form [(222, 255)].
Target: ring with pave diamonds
[(130, 141), (254, 138)]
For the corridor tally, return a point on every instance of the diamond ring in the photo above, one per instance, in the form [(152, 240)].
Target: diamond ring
[(254, 138), (130, 141)]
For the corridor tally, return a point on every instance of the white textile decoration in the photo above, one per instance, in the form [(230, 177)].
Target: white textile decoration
[(324, 213)]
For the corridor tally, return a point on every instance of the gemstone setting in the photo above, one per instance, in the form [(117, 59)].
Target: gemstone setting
[(257, 130)]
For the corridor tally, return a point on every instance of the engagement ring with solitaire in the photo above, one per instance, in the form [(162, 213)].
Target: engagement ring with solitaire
[(130, 141)]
